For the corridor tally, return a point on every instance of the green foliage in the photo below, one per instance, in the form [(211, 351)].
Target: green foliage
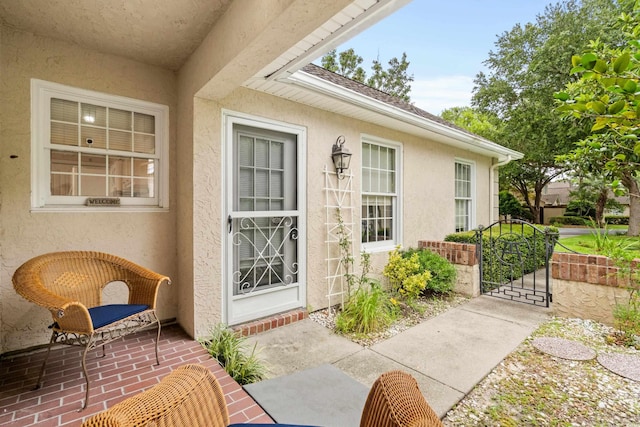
[(443, 273), (228, 347), (627, 315), (581, 207), (510, 205), (406, 275), (368, 310), (617, 219), (604, 96), (525, 70), (393, 80), (484, 124), (558, 221)]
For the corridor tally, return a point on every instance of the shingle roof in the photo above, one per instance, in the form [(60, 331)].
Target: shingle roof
[(377, 95)]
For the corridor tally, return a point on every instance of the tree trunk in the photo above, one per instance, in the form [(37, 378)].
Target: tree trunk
[(601, 202), (632, 185)]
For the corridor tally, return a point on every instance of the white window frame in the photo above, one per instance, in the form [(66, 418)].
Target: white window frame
[(472, 199), (385, 245), (41, 198)]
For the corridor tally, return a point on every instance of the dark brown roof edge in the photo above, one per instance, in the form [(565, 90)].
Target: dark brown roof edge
[(378, 95)]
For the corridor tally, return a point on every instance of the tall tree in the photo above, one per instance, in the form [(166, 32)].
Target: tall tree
[(606, 95), (484, 124), (525, 71), (394, 80)]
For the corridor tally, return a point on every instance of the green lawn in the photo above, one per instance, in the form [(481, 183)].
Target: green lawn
[(588, 244)]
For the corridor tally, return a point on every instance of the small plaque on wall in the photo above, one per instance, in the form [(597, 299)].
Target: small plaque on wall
[(103, 201)]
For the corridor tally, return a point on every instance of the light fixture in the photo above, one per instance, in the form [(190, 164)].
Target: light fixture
[(341, 156)]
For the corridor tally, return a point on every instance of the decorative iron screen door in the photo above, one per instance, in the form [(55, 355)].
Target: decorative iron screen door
[(263, 225)]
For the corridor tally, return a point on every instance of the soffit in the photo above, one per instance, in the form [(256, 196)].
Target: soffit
[(157, 32)]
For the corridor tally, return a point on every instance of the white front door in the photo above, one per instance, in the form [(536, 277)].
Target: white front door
[(264, 239)]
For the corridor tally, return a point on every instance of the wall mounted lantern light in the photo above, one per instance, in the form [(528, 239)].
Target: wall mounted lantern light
[(341, 156)]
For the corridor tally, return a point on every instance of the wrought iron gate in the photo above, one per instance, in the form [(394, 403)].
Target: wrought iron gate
[(514, 261)]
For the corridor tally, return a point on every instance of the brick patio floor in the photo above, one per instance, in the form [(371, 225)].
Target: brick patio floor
[(128, 368)]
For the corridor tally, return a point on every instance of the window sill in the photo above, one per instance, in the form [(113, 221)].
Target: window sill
[(101, 209), (372, 249)]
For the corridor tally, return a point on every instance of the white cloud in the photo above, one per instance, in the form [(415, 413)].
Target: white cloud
[(439, 93)]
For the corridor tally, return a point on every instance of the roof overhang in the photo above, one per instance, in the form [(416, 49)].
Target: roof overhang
[(312, 90)]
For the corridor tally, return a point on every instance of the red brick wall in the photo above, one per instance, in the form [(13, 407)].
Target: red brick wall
[(456, 253), (594, 269)]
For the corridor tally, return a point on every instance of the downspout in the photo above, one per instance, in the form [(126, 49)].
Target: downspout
[(492, 186)]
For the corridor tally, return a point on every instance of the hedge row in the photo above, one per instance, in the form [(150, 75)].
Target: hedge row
[(569, 220), (617, 219)]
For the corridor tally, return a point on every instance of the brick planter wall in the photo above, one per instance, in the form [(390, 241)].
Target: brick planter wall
[(463, 257), (586, 286)]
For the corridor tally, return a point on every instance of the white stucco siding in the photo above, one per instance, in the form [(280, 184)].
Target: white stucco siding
[(145, 238), (427, 197)]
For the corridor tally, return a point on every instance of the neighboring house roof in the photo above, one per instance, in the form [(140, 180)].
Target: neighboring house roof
[(558, 193), (332, 92)]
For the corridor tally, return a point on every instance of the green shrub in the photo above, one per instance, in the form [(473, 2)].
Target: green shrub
[(617, 219), (368, 310), (228, 347), (406, 275), (443, 273), (568, 220)]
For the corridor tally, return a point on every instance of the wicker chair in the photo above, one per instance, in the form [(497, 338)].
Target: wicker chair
[(70, 284), (188, 396), (396, 401)]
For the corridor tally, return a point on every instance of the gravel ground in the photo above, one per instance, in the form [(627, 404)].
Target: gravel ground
[(532, 388), (536, 389)]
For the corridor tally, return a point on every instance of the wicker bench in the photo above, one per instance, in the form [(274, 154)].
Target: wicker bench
[(70, 285)]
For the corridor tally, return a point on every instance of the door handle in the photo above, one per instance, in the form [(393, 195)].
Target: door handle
[(230, 223)]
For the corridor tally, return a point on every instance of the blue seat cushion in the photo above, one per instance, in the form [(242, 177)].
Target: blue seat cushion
[(106, 314)]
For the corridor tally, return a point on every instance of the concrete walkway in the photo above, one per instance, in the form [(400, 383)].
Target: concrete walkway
[(448, 354)]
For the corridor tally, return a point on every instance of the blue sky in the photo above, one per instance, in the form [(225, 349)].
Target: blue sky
[(446, 42)]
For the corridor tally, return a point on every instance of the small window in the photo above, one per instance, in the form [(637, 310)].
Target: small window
[(91, 145), (464, 196), (380, 193)]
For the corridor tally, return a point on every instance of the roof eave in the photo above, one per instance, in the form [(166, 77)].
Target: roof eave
[(440, 132)]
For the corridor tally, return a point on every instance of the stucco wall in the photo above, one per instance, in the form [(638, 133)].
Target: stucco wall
[(145, 238), (428, 188)]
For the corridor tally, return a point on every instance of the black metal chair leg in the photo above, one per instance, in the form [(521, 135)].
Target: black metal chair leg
[(53, 339), (157, 340)]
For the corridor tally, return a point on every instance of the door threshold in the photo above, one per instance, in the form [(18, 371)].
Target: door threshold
[(271, 322)]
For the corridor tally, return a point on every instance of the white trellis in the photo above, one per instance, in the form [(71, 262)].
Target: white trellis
[(338, 197)]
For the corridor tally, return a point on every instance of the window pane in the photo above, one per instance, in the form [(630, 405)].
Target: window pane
[(119, 166), (93, 164), (94, 115), (142, 167), (144, 143), (245, 183), (119, 119), (277, 153), (64, 134), (143, 187), (119, 140), (262, 153), (99, 137), (64, 185), (144, 123), (93, 185), (245, 151), (366, 155), (63, 161), (63, 110)]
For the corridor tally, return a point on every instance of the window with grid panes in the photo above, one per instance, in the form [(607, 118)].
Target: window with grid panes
[(92, 145), (463, 196), (379, 195)]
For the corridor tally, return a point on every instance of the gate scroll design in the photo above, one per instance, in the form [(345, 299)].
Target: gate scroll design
[(514, 260)]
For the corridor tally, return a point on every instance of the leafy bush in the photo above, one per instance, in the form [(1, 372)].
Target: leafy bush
[(510, 205), (368, 310), (568, 220), (617, 219), (228, 347), (406, 275), (443, 273), (583, 208)]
